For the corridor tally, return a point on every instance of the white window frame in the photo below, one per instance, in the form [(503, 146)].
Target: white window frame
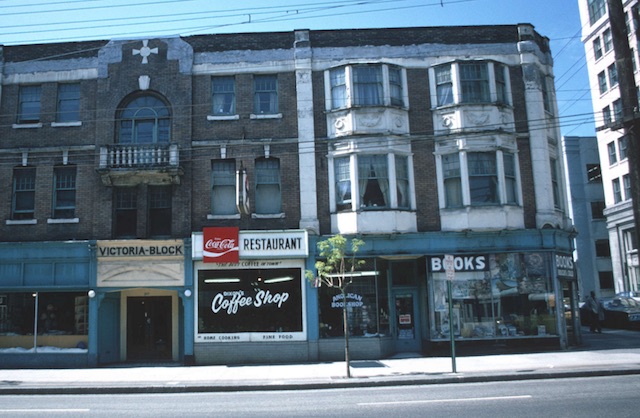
[(223, 179)]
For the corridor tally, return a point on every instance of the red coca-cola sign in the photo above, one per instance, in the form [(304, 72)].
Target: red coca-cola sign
[(220, 245)]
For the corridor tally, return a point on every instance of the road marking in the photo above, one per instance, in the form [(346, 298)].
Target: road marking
[(490, 398), (44, 410)]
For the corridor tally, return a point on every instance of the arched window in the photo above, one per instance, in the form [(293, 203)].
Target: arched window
[(144, 120)]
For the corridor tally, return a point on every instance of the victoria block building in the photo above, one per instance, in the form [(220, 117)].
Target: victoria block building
[(132, 169)]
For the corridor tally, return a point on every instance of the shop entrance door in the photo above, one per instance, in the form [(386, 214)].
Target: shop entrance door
[(149, 328), (407, 325)]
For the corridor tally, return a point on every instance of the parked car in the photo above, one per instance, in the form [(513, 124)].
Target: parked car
[(635, 295), (621, 312)]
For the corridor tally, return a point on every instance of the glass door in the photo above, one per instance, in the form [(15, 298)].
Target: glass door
[(407, 327)]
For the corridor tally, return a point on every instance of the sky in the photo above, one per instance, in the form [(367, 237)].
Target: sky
[(42, 21)]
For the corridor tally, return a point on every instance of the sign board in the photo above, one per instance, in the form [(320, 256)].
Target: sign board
[(220, 245), (254, 245), (449, 266)]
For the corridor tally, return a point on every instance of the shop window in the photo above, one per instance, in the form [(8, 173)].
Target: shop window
[(125, 212), (29, 104), (265, 94), (367, 306), (64, 192), (268, 186), (159, 219), (249, 301), (223, 187), (144, 120), (24, 191), (223, 96), (500, 296), (68, 103), (62, 319)]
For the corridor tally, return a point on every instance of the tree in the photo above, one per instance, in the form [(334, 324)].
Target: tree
[(335, 269)]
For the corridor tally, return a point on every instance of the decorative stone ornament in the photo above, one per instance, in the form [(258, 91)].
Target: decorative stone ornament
[(145, 51)]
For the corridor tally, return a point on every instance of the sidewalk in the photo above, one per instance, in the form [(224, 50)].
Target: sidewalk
[(612, 353)]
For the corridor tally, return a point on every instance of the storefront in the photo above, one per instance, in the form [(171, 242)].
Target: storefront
[(46, 312), (251, 295), (144, 300)]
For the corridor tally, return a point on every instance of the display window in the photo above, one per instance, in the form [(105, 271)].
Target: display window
[(511, 296), (249, 304), (57, 319), (367, 306)]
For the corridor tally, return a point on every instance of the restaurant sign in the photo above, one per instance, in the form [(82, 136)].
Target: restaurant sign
[(220, 245)]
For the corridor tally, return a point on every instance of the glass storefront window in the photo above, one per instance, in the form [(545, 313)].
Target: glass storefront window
[(62, 319), (249, 301), (512, 297), (367, 306)]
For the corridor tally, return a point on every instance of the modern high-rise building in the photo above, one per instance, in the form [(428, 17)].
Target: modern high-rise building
[(612, 144), (162, 199)]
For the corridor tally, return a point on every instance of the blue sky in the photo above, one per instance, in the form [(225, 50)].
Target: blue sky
[(42, 21)]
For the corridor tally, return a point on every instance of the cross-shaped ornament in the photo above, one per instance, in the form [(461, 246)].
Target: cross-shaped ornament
[(145, 51)]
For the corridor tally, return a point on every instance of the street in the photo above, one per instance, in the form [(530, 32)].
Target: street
[(580, 397)]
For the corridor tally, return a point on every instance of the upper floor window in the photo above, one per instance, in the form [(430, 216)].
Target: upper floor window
[(125, 208), (64, 192), (223, 187), (596, 10), (223, 95), (607, 40), (617, 191), (602, 82), (29, 104), (68, 109), (478, 178), (623, 147), (268, 186), (613, 75), (381, 181), (597, 48), (144, 120), (617, 110), (365, 85), (24, 193), (606, 116), (159, 211), (626, 182), (555, 183), (597, 209), (594, 173), (471, 82), (613, 156), (265, 94)]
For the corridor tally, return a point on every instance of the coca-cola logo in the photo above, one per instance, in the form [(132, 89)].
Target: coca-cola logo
[(220, 245)]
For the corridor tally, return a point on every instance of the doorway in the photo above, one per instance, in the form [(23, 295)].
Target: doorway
[(407, 325), (149, 328)]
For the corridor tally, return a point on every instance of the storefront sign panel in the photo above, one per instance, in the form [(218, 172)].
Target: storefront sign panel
[(565, 266), (140, 249), (220, 245), (460, 263), (264, 245)]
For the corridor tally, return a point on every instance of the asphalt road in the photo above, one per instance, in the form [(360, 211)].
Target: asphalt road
[(582, 397)]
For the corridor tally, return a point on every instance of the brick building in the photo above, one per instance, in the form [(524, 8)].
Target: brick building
[(163, 198)]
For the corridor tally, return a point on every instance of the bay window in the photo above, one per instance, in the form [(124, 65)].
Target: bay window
[(379, 181), (469, 82), (483, 178), (365, 85), (452, 180)]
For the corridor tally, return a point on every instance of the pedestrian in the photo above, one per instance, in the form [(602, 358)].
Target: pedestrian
[(595, 311)]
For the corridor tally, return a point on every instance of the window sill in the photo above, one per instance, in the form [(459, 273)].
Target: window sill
[(22, 222), (212, 217), (63, 220), (267, 116), (220, 117), (26, 125), (267, 216), (65, 124)]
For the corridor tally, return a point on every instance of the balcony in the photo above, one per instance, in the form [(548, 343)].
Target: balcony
[(133, 164)]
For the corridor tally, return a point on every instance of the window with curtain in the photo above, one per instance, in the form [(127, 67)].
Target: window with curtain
[(343, 183), (64, 193), (223, 96), (265, 94), (367, 84), (68, 103), (501, 83), (402, 181), (483, 178), (144, 120), (268, 186), (444, 85), (452, 180), (29, 104), (338, 88), (223, 187), (395, 86), (474, 82), (373, 178), (24, 193), (510, 182)]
